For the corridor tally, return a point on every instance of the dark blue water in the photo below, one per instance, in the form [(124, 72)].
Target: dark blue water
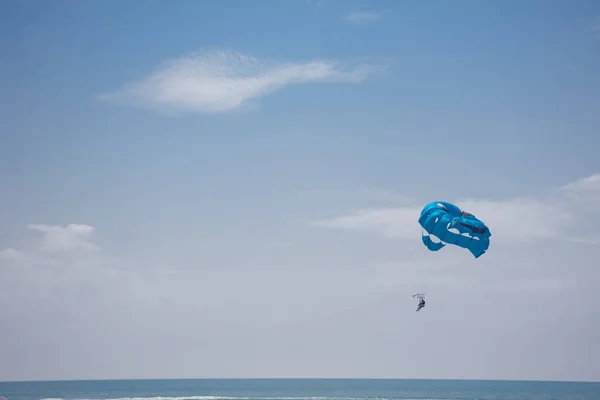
[(301, 389)]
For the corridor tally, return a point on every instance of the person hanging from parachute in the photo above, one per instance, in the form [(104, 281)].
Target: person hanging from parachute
[(421, 304), (421, 297)]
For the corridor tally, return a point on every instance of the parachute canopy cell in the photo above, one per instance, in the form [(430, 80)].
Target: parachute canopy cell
[(450, 225)]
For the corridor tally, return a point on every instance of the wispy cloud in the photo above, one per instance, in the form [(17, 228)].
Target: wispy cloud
[(364, 16), (58, 246), (65, 238), (584, 190), (525, 219), (11, 254), (220, 81)]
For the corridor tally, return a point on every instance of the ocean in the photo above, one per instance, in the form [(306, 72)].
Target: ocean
[(300, 389)]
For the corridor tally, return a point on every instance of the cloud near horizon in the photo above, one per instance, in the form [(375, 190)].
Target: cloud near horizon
[(66, 292), (221, 81)]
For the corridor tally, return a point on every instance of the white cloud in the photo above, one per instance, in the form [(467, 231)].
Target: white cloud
[(65, 238), (220, 81), (364, 16), (11, 254), (61, 302), (519, 220), (389, 222), (584, 191)]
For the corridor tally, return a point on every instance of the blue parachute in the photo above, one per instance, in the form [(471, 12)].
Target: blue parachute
[(452, 226)]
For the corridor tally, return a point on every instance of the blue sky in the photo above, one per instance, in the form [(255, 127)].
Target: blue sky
[(284, 143)]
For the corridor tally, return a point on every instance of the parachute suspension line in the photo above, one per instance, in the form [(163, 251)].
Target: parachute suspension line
[(425, 274)]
